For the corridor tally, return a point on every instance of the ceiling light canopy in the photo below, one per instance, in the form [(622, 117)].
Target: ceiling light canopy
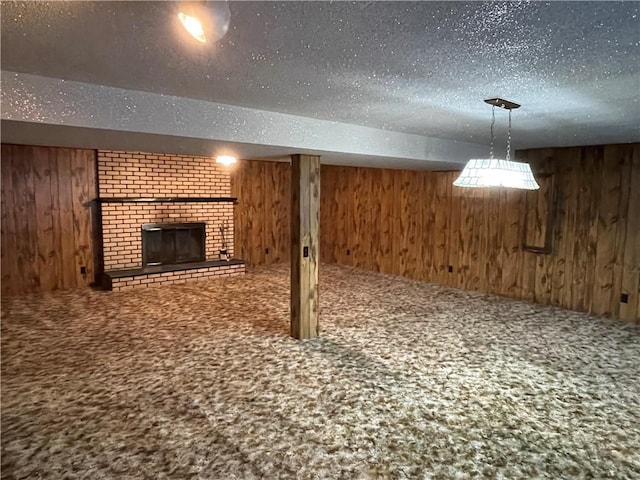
[(493, 172), (205, 21)]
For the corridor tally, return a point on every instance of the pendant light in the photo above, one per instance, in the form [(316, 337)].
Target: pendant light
[(493, 172)]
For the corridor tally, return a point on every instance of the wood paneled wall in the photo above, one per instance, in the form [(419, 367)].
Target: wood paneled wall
[(47, 229), (418, 225), (261, 217)]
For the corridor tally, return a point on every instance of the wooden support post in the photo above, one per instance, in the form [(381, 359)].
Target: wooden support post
[(305, 254)]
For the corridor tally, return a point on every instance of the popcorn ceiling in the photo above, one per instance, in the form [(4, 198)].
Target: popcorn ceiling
[(414, 67)]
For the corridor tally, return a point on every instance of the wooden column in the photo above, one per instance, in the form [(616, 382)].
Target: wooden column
[(305, 243)]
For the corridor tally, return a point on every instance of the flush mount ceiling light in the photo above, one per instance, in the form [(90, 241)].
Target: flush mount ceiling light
[(205, 21), (226, 160), (493, 172), (193, 26)]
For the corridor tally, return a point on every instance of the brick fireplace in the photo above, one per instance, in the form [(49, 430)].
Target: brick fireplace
[(138, 189)]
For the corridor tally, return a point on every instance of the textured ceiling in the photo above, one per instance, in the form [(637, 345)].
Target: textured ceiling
[(413, 67)]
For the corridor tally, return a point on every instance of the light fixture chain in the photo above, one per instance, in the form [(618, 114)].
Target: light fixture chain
[(493, 121), (509, 139)]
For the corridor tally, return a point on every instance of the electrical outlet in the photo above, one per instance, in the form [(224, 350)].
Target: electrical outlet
[(624, 298), (450, 268), (305, 252)]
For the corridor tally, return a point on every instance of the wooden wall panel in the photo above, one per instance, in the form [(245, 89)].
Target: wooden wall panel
[(544, 163), (454, 244), (595, 158), (465, 239), (328, 211), (358, 223), (407, 223), (416, 224), (44, 214), (47, 223), (385, 208), (25, 222), (442, 212), (493, 266), (8, 236), (511, 253), (476, 236), (566, 212), (65, 204), (607, 228), (337, 231), (261, 217), (277, 238), (630, 277)]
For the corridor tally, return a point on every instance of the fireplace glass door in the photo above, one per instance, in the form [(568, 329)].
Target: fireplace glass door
[(172, 243)]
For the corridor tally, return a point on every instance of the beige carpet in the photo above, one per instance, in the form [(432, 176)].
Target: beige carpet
[(408, 380)]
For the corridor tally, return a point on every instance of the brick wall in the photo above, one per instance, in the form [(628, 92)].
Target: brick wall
[(137, 174)]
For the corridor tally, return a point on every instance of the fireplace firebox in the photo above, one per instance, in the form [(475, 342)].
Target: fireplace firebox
[(172, 243)]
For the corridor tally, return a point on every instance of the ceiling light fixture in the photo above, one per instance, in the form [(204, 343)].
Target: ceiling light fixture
[(193, 26), (205, 21), (493, 172), (226, 160)]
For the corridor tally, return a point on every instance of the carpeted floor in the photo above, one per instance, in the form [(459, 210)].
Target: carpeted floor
[(408, 380)]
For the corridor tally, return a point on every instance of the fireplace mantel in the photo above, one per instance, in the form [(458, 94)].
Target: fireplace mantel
[(165, 199)]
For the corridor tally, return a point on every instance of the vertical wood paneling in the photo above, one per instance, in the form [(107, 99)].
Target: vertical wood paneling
[(262, 212), (476, 264), (544, 164), (416, 224), (276, 211), (581, 233), (67, 235), (269, 215), (568, 209), (630, 282), (328, 205), (625, 163), (426, 259), (45, 214), (607, 218), (594, 168), (359, 188), (47, 229), (8, 237), (442, 205), (454, 278), (374, 238), (25, 218), (493, 267), (83, 191), (407, 225), (465, 239), (385, 205), (512, 255), (239, 223), (344, 212)]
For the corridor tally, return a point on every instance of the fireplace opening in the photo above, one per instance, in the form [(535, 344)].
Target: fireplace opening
[(172, 243)]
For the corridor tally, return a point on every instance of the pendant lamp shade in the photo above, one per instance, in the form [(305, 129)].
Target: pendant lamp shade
[(495, 172), (484, 173)]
